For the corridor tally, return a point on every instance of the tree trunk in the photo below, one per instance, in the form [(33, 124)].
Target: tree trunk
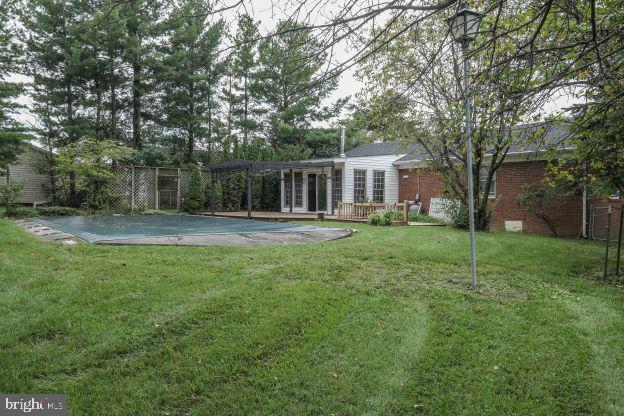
[(245, 112), (113, 101), (51, 173), (209, 118), (229, 118), (136, 104), (73, 197), (7, 206), (98, 110), (191, 132)]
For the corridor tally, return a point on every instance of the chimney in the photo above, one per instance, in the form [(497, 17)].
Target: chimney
[(342, 141)]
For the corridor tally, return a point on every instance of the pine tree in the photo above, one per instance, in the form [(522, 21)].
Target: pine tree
[(241, 92), (11, 133), (289, 63), (103, 38), (53, 59), (189, 73), (194, 199), (142, 20)]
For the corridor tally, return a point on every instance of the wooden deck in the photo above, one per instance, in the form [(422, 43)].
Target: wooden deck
[(277, 216)]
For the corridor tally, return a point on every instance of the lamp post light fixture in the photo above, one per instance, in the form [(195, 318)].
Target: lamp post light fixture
[(464, 27)]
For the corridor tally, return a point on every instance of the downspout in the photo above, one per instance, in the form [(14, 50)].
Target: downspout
[(418, 178)]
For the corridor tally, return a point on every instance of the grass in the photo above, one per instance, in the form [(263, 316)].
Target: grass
[(424, 218), (380, 323)]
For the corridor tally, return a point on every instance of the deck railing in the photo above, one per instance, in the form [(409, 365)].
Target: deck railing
[(361, 210)]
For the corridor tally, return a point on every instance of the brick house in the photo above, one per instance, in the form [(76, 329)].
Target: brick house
[(388, 173), (524, 164)]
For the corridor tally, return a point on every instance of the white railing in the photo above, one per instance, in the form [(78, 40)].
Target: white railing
[(361, 210)]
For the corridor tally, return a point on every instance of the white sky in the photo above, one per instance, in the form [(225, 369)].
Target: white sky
[(270, 12)]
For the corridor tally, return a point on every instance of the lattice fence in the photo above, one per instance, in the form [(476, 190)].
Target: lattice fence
[(140, 187)]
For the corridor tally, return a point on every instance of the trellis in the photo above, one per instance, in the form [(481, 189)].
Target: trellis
[(137, 187)]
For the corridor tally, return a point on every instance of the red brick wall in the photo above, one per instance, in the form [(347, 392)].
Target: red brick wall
[(423, 182), (510, 178)]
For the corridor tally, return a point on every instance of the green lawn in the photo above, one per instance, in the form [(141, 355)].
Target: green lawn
[(380, 323)]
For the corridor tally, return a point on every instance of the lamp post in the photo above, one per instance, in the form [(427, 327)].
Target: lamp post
[(464, 27)]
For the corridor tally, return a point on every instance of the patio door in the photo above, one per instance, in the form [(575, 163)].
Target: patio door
[(317, 192), (311, 192), (321, 199)]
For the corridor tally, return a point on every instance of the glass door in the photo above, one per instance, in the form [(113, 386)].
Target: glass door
[(312, 192), (321, 192)]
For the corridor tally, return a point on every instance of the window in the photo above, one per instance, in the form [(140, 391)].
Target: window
[(287, 189), (359, 185), (379, 185), (483, 175), (298, 189), (337, 190)]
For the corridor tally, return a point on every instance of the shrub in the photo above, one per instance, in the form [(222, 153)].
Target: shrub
[(381, 218), (55, 211), (9, 194), (194, 200), (152, 212), (540, 200), (21, 212), (52, 211), (460, 218), (218, 194), (413, 217), (90, 161)]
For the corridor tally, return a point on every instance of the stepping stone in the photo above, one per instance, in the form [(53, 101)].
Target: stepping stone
[(61, 236)]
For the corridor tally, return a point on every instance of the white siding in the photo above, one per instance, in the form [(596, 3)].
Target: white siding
[(304, 208), (370, 164)]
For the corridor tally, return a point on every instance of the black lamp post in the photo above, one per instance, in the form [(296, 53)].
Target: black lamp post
[(464, 28)]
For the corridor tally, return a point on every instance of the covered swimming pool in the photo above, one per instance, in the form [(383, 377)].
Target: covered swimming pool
[(187, 230)]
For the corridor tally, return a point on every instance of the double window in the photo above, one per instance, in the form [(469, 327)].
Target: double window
[(359, 185), (379, 185), (298, 189), (483, 175), (337, 190), (287, 189)]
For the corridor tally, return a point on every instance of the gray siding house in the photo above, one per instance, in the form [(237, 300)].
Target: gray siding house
[(36, 185)]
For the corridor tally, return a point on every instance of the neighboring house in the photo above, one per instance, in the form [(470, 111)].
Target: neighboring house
[(383, 172), (35, 185)]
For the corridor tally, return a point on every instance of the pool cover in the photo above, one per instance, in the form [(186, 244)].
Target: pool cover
[(124, 227)]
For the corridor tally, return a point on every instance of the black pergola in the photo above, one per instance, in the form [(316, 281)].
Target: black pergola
[(256, 167)]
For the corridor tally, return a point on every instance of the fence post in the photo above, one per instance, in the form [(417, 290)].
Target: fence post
[(212, 192), (156, 202), (132, 188), (405, 211), (618, 271), (292, 190), (249, 179), (606, 262), (178, 192)]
